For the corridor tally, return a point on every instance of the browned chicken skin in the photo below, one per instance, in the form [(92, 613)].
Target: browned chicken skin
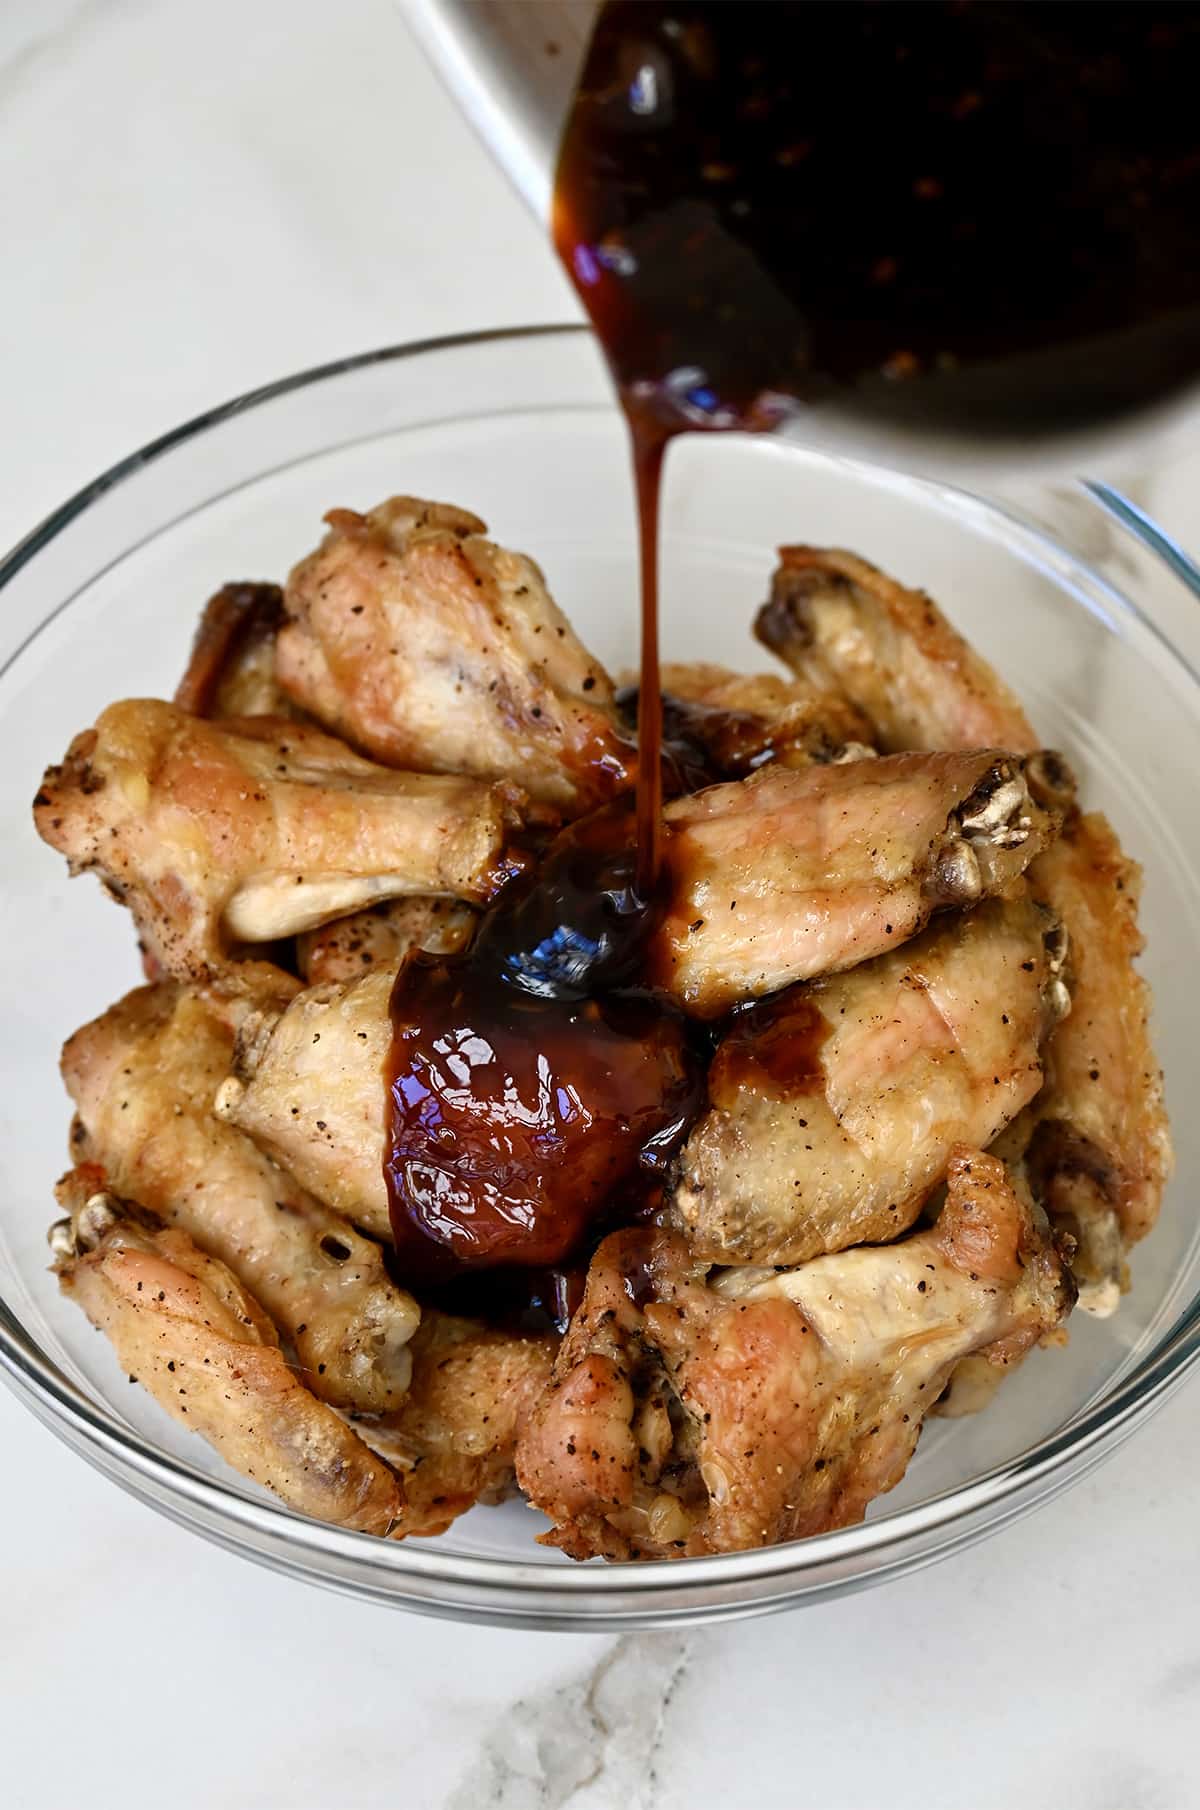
[(143, 1077), (787, 875), (454, 1440), (183, 1326), (254, 829), (383, 934), (690, 1416), (231, 669), (427, 646), (833, 1108), (1098, 1149), (1096, 1140)]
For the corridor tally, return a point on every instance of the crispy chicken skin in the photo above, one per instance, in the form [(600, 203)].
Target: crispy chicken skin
[(833, 1109), (742, 721), (691, 1415), (385, 933), (231, 670), (1099, 1150), (786, 875), (840, 623), (254, 829), (308, 1085), (427, 646), (454, 1440), (1096, 1142), (183, 1325), (143, 1077)]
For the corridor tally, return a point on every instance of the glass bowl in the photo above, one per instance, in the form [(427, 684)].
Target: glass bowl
[(101, 601)]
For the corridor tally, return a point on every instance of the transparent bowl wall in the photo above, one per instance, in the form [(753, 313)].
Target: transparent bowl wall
[(101, 603)]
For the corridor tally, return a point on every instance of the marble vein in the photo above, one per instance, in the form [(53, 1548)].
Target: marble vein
[(590, 1744), (22, 58)]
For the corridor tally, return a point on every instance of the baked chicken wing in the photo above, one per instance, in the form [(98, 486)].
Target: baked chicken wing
[(690, 1415), (253, 829), (786, 875), (833, 1109), (427, 646), (840, 623), (184, 1326), (143, 1077)]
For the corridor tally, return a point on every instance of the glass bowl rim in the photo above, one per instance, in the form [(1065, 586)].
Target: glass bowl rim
[(1060, 1457)]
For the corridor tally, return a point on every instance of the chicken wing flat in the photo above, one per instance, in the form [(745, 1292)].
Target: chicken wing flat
[(833, 1109), (383, 934), (308, 1085), (840, 623), (427, 646), (254, 829), (690, 1415), (143, 1077), (231, 671), (454, 1440), (741, 722), (183, 1325), (1099, 1150), (786, 875)]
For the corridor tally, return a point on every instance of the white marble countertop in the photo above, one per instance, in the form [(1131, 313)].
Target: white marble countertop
[(195, 198)]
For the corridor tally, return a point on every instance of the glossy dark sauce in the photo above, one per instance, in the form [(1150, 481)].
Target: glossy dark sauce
[(703, 744), (532, 1082), (956, 215), (771, 1048)]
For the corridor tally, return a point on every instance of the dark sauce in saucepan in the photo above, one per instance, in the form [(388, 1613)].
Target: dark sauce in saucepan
[(961, 216)]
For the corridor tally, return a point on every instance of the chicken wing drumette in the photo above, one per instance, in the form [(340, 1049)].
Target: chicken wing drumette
[(427, 646), (253, 829), (834, 1107), (692, 1414), (185, 1327), (143, 1077)]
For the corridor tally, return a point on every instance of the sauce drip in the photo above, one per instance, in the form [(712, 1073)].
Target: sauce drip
[(533, 1083), (772, 1048)]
